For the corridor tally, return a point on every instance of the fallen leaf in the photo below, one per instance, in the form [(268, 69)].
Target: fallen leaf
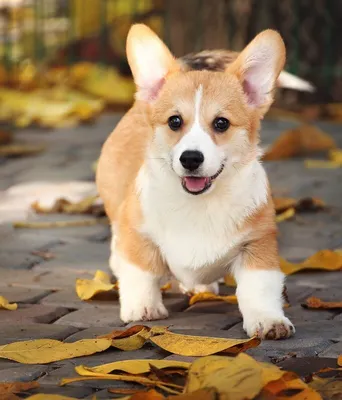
[(229, 280), (17, 150), (134, 367), (202, 394), (59, 224), (88, 288), (315, 302), (328, 388), (339, 360), (285, 215), (9, 390), (88, 205), (305, 139), (307, 204), (207, 296), (327, 260), (166, 287), (148, 395), (187, 345), (46, 255), (326, 164), (123, 391), (126, 378), (43, 396), (5, 137), (336, 156), (236, 378), (44, 351), (4, 303)]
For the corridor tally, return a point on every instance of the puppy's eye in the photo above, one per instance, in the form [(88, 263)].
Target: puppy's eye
[(175, 122), (221, 124)]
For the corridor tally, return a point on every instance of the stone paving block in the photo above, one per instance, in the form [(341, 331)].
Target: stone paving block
[(15, 333), (338, 317), (217, 307), (29, 314), (23, 295), (22, 373), (300, 314), (297, 294), (276, 350), (49, 280), (329, 294), (307, 365), (92, 316), (331, 330), (316, 280), (185, 320), (294, 253), (175, 302), (79, 257), (92, 333), (334, 351), (68, 298)]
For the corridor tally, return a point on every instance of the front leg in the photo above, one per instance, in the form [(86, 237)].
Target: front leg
[(259, 290), (139, 285)]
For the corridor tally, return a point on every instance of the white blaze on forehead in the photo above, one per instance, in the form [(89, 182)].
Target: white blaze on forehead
[(198, 139)]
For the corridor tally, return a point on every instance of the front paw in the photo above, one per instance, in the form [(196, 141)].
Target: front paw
[(143, 312), (268, 327)]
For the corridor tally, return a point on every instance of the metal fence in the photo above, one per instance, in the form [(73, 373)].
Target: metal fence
[(61, 32)]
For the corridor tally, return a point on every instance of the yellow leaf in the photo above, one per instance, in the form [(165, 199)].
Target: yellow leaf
[(315, 302), (336, 156), (166, 287), (285, 215), (88, 288), (42, 396), (9, 390), (187, 345), (328, 388), (327, 260), (134, 367), (5, 304), (44, 351), (305, 139), (339, 360), (202, 394), (11, 150), (229, 280), (207, 296), (321, 164), (282, 204), (236, 378)]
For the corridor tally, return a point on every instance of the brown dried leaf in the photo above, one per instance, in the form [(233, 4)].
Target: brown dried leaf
[(208, 296), (187, 345), (339, 360), (5, 137), (305, 139), (9, 390), (85, 206), (315, 302), (202, 394), (149, 395), (329, 388)]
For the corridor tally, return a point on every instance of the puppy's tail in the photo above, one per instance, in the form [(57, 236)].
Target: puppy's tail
[(218, 60), (289, 81)]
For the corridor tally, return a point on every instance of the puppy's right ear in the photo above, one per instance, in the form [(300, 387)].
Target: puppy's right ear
[(150, 61)]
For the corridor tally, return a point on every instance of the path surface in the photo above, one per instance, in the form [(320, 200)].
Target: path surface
[(45, 289)]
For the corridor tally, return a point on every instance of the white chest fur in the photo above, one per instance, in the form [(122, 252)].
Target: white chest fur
[(195, 233)]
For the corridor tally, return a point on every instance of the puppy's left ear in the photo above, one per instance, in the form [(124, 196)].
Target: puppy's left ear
[(258, 67), (150, 60)]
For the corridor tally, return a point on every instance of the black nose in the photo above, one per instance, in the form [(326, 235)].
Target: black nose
[(191, 159)]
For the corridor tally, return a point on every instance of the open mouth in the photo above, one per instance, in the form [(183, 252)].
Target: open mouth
[(199, 184)]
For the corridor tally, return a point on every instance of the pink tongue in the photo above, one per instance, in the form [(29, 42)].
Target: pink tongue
[(195, 184)]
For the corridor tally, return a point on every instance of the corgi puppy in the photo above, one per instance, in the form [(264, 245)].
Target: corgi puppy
[(183, 186)]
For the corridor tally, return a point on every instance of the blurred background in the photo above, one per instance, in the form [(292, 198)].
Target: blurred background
[(63, 61)]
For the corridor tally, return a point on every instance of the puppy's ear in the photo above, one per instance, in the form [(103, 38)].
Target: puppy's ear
[(150, 61), (258, 67)]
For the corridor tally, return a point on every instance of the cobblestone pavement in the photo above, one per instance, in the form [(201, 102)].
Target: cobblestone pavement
[(44, 289)]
